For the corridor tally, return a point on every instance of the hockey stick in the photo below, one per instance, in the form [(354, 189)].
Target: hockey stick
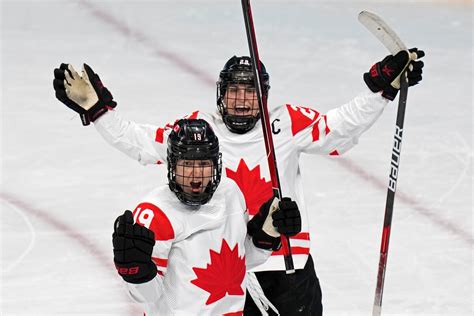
[(393, 43), (267, 134)]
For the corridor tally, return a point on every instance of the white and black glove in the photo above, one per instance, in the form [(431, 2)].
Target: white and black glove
[(385, 75), (133, 246), (274, 218), (84, 94)]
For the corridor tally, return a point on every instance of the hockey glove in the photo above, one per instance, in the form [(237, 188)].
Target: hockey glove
[(133, 246), (385, 75), (274, 218), (84, 94)]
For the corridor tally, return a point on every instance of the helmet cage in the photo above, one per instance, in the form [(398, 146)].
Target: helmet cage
[(191, 141), (238, 71), (193, 198)]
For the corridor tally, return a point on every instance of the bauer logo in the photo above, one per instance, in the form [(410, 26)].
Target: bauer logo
[(245, 62), (392, 183)]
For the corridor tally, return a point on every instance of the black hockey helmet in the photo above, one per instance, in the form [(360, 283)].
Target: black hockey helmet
[(191, 140), (238, 70)]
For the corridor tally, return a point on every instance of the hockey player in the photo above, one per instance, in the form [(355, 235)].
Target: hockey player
[(188, 250), (296, 130)]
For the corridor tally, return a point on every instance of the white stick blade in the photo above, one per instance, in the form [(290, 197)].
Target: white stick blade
[(382, 31)]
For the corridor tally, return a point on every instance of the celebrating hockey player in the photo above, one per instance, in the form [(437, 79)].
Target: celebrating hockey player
[(296, 130), (188, 250)]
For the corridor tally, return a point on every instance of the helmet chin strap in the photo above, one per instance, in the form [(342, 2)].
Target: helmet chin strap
[(194, 199), (237, 124), (240, 124)]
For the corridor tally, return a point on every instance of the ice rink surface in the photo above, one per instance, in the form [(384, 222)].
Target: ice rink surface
[(62, 186)]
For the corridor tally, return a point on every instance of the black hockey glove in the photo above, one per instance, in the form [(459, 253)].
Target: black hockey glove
[(274, 218), (287, 219), (133, 246), (84, 94), (385, 75)]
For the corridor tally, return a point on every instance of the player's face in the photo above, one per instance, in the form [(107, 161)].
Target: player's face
[(241, 100), (193, 175)]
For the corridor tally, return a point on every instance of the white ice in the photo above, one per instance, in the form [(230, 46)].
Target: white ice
[(62, 186)]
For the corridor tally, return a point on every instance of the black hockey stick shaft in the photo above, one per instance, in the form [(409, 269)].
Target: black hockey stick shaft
[(384, 33), (392, 186), (267, 135)]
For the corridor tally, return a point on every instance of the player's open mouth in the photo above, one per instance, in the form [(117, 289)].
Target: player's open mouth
[(242, 109), (196, 186)]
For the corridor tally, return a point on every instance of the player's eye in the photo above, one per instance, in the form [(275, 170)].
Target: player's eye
[(250, 90), (232, 89)]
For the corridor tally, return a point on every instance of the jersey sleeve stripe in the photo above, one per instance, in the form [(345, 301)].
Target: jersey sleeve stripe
[(159, 135), (160, 262), (302, 235), (294, 251)]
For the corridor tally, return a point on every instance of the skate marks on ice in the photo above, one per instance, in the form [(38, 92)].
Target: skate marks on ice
[(26, 211), (429, 212), (11, 210), (147, 41)]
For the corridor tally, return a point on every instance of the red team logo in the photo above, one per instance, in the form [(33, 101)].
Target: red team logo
[(387, 71), (223, 275), (255, 189)]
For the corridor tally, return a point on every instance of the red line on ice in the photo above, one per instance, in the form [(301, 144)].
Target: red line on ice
[(69, 231), (141, 37), (408, 200)]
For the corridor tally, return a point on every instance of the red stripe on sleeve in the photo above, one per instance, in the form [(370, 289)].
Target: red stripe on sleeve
[(159, 135), (294, 250), (327, 130), (193, 115), (160, 261), (315, 132), (301, 236)]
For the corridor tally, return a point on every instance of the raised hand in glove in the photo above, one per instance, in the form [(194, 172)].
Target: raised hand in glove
[(133, 246), (85, 94), (385, 75), (275, 217)]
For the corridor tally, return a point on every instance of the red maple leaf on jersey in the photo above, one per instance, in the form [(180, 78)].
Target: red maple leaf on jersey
[(256, 190), (224, 275)]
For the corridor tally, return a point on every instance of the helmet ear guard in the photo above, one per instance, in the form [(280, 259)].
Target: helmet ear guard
[(238, 70), (193, 140)]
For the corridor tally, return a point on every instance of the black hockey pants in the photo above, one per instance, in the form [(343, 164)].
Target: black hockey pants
[(277, 288)]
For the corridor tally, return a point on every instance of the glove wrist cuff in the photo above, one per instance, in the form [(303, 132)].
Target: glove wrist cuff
[(371, 84), (129, 272), (263, 241), (390, 93)]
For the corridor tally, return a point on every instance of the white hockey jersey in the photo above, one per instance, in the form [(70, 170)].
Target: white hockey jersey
[(201, 253), (296, 130)]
